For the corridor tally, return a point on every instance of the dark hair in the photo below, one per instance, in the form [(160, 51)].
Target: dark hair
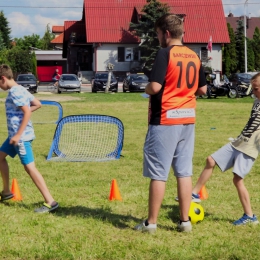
[(255, 76), (172, 23), (6, 71)]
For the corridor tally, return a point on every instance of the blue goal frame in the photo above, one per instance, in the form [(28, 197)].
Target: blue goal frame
[(115, 154), (54, 103)]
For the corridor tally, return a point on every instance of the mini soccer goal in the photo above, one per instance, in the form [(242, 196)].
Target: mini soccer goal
[(51, 112), (81, 138)]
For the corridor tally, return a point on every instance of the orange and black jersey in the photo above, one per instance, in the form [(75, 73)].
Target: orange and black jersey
[(178, 69)]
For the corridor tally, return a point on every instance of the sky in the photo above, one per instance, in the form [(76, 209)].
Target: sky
[(26, 17)]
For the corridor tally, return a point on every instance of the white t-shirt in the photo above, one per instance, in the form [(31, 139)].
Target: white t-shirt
[(17, 97)]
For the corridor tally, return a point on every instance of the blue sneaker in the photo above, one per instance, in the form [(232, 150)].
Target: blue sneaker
[(245, 219), (194, 198)]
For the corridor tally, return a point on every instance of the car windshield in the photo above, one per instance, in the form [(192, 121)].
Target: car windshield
[(139, 77), (103, 76), (26, 78), (245, 75), (69, 78)]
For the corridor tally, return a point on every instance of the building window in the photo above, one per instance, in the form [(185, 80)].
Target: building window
[(204, 54), (128, 54)]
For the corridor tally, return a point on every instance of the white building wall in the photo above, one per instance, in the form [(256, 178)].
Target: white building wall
[(107, 53)]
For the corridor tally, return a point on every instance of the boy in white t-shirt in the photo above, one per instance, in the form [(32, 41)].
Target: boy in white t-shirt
[(239, 154), (19, 105)]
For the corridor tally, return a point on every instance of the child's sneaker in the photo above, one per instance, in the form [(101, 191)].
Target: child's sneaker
[(194, 198), (184, 226), (145, 227), (245, 219)]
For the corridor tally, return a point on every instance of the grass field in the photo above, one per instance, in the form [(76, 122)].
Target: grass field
[(89, 226)]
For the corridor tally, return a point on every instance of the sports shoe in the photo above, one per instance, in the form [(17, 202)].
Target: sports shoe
[(194, 198), (184, 226), (45, 208), (150, 228), (245, 219), (6, 196)]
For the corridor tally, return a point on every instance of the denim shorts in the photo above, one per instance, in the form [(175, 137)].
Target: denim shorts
[(23, 149)]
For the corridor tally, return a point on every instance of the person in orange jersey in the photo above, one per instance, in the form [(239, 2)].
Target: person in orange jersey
[(240, 154), (19, 105), (177, 77)]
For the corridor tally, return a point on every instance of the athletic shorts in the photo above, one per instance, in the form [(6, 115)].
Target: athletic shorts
[(227, 157), (23, 149), (166, 147)]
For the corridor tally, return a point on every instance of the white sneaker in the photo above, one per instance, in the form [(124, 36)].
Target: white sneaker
[(184, 226), (151, 228)]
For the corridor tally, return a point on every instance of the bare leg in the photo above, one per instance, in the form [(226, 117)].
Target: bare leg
[(243, 195), (205, 175), (5, 173), (156, 194), (184, 186), (39, 182)]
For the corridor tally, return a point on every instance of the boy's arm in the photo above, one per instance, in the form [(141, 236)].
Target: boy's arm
[(27, 114), (35, 104)]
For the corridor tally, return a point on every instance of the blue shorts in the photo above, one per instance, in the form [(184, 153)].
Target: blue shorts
[(166, 147), (23, 149)]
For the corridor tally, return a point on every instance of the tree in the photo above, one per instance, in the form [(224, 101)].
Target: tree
[(34, 64), (2, 44), (250, 55), (144, 29), (5, 30), (47, 38), (240, 46), (229, 53), (256, 48), (26, 42)]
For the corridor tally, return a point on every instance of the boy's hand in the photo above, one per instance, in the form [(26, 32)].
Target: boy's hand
[(14, 140)]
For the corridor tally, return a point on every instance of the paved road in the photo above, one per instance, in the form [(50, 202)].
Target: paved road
[(84, 88)]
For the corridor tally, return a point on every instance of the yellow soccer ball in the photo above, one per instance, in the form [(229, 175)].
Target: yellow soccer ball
[(196, 213)]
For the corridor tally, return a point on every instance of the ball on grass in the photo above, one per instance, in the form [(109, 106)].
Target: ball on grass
[(196, 213)]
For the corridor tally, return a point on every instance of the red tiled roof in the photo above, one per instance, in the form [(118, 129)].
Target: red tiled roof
[(57, 29), (74, 26), (58, 39), (252, 23), (108, 21)]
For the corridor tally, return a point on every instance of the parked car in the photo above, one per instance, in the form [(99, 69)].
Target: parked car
[(69, 83), (99, 82), (28, 81), (240, 78), (135, 82)]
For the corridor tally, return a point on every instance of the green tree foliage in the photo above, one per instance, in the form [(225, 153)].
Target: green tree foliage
[(34, 65), (250, 55), (47, 38), (5, 30), (3, 56), (229, 53), (19, 60), (2, 44), (240, 46), (256, 48), (26, 42), (144, 29)]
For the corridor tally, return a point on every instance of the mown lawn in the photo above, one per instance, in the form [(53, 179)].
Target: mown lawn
[(89, 226)]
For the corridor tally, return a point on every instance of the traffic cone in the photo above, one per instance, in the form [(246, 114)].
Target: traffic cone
[(114, 191), (203, 193), (16, 191)]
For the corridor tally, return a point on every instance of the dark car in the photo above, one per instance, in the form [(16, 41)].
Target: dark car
[(99, 82), (135, 82), (69, 83), (28, 81), (238, 78)]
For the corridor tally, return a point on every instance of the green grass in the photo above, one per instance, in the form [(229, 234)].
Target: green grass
[(89, 226)]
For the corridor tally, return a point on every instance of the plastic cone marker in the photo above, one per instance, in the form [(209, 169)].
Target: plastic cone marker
[(16, 191), (203, 193), (114, 191)]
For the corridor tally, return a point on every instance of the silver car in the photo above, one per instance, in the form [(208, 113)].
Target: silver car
[(69, 83)]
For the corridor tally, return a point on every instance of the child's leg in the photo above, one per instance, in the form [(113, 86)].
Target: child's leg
[(205, 175), (243, 195), (39, 182), (5, 173)]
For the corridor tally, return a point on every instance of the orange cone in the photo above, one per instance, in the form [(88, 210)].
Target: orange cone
[(203, 193), (16, 191), (114, 191)]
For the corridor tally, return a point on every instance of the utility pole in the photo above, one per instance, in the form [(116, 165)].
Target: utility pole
[(110, 67), (245, 36)]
